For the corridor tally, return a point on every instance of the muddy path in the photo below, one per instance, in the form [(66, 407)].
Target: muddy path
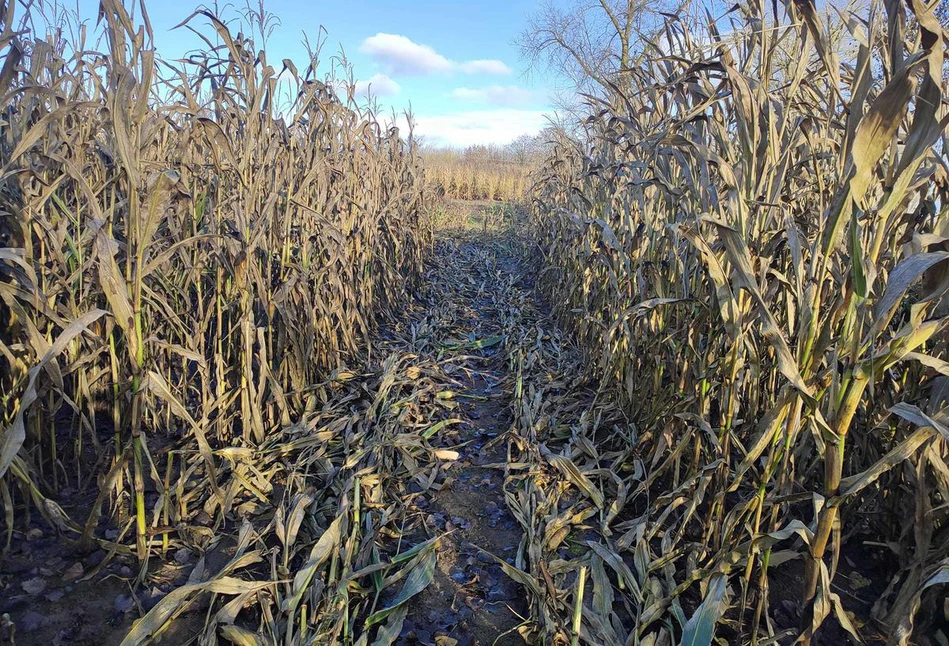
[(471, 601)]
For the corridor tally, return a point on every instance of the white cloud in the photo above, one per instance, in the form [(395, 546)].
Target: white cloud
[(485, 66), (401, 55), (472, 127), (378, 85), (508, 96)]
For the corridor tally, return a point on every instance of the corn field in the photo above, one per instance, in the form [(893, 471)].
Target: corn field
[(185, 269), (259, 385), (749, 240), (464, 183), (480, 173)]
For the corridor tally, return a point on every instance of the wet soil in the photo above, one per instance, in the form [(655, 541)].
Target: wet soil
[(471, 600), (53, 594)]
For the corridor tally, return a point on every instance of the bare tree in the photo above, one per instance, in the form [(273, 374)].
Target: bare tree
[(528, 148), (587, 41)]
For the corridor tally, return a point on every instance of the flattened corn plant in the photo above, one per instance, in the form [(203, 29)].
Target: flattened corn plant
[(751, 242), (189, 263)]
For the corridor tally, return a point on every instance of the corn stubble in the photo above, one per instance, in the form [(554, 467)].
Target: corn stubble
[(752, 245)]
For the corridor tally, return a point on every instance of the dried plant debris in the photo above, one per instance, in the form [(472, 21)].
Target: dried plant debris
[(253, 390)]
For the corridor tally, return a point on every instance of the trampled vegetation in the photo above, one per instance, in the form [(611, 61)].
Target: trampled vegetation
[(699, 383)]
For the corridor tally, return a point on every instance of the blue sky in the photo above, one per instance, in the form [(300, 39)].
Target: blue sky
[(452, 62)]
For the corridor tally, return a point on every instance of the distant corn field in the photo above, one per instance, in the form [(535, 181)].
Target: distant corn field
[(184, 259), (751, 242), (480, 174)]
